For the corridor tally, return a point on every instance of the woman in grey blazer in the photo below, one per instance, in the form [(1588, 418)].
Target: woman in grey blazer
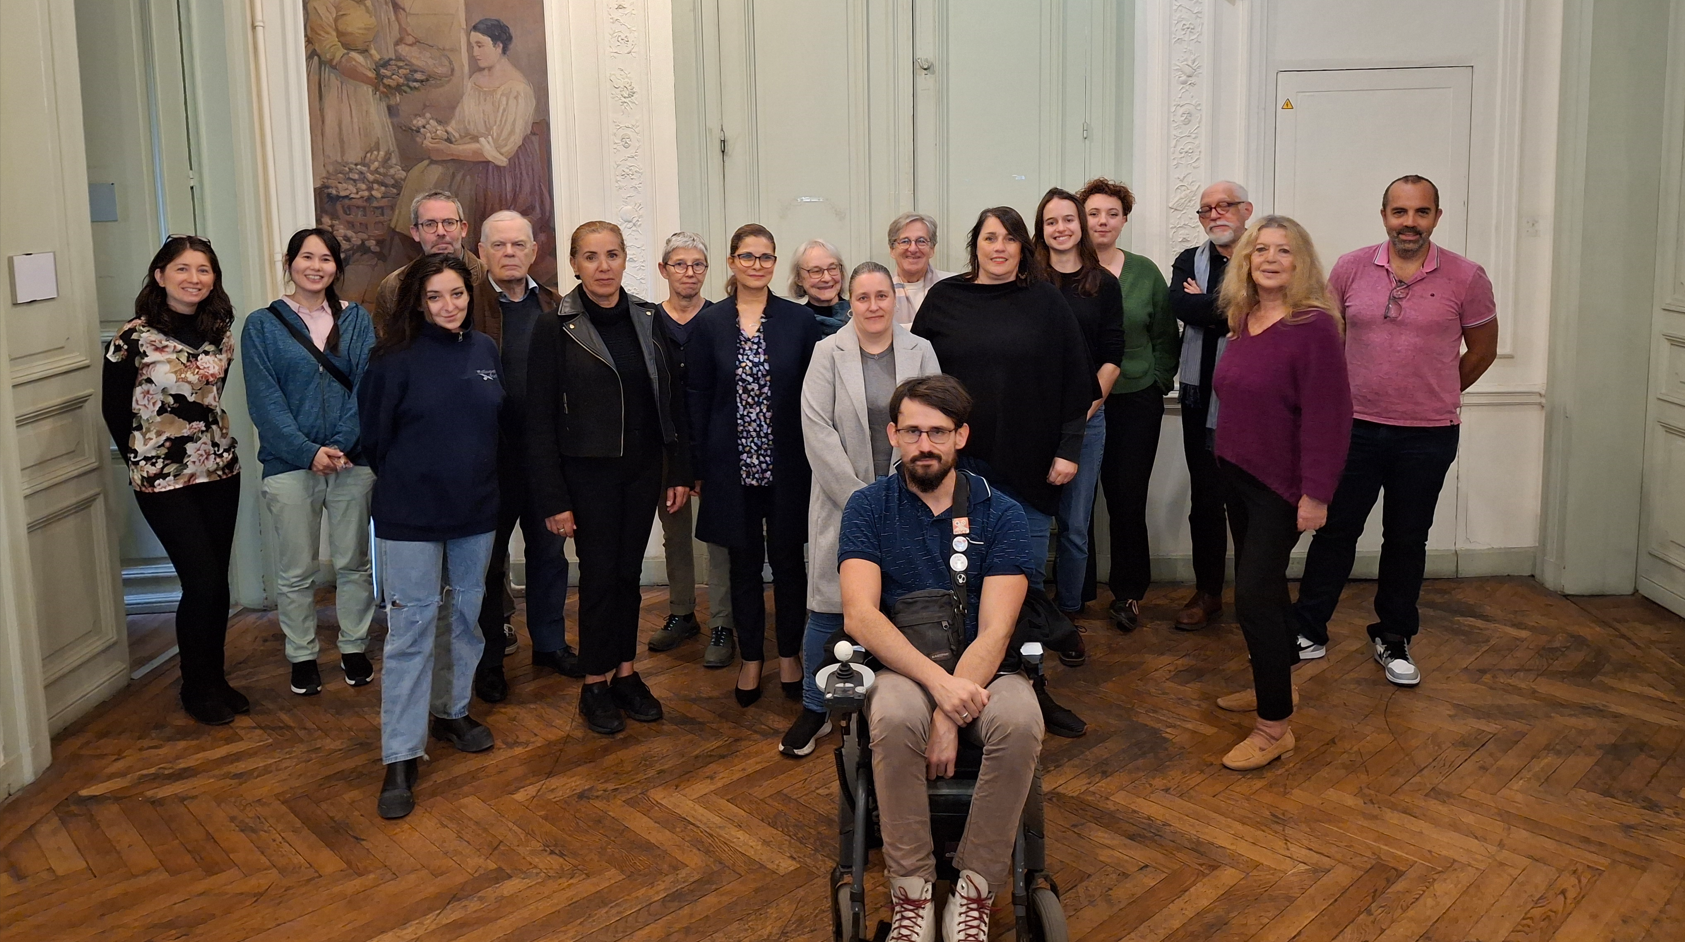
[(845, 431)]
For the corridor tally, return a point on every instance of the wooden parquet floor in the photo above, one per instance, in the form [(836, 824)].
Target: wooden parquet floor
[(1532, 788)]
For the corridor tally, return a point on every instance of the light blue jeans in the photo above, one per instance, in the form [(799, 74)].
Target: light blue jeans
[(1076, 511), (820, 627), (411, 573)]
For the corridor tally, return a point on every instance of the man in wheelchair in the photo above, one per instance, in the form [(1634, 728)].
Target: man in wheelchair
[(943, 536)]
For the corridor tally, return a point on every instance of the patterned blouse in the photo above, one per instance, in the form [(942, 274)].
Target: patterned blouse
[(179, 434), (754, 409)]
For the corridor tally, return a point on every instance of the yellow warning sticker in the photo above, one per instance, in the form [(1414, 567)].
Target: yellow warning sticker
[(1287, 105)]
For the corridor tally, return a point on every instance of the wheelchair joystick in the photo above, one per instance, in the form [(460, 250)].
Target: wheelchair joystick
[(844, 683)]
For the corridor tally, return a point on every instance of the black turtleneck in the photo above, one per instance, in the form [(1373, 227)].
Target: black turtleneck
[(641, 417)]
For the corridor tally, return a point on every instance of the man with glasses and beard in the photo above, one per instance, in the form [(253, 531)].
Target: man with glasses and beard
[(1194, 278), (1411, 308), (900, 535)]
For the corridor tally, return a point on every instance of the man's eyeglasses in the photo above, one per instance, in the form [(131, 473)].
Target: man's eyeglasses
[(751, 260), (906, 243), (685, 268), (434, 225), (1395, 299), (822, 271), (911, 435), (1219, 208)]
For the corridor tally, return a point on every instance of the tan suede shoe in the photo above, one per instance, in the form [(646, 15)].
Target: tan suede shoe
[(1246, 701), (1248, 756)]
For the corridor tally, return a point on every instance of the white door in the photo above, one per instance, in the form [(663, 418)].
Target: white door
[(1340, 137), (1661, 558)]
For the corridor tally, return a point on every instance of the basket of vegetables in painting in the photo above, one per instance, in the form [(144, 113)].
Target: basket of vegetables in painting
[(361, 198), (411, 68)]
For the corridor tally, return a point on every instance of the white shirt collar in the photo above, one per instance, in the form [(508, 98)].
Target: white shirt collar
[(503, 295)]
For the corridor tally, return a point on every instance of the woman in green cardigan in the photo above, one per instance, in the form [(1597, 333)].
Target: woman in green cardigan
[(1135, 408)]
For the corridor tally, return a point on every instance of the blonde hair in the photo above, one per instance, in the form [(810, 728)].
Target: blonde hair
[(1307, 289), (797, 290), (592, 228)]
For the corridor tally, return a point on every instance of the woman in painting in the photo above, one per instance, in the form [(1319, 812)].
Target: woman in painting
[(345, 38), (493, 160)]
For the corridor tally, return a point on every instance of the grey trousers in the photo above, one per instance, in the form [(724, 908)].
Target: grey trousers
[(679, 546), (898, 711)]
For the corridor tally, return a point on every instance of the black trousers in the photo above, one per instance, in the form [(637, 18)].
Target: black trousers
[(789, 581), (1409, 464), (1133, 421), (614, 502), (1266, 530), (1208, 519), (196, 525)]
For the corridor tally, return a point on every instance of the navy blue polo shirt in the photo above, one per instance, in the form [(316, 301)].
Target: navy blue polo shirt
[(887, 524)]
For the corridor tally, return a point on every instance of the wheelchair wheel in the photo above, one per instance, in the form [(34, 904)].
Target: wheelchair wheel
[(1047, 917)]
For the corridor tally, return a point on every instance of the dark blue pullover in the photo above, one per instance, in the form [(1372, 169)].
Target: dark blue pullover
[(429, 431)]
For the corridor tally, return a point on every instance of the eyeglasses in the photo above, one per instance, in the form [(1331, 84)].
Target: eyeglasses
[(434, 225), (751, 260), (685, 268), (906, 243), (1395, 299), (822, 271), (1219, 208), (910, 436)]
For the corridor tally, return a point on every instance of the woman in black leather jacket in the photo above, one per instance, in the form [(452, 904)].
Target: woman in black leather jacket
[(605, 422)]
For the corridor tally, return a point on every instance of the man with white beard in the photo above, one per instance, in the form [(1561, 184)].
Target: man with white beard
[(1194, 279)]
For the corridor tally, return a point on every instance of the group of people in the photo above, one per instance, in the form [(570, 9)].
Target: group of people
[(901, 429)]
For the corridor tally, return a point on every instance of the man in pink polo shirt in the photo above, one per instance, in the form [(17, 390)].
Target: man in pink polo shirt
[(1411, 307)]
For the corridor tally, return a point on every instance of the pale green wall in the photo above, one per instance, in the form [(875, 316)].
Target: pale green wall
[(1609, 182)]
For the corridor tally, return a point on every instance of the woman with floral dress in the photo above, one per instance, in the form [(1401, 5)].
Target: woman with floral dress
[(163, 380)]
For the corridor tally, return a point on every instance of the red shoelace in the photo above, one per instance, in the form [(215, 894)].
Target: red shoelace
[(907, 916), (972, 921)]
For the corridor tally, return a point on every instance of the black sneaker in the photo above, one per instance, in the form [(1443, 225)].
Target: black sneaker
[(804, 734), (489, 683), (596, 704), (1126, 614), (1393, 654), (678, 628), (564, 662), (1058, 720), (465, 733), (358, 670), (307, 678), (632, 696), (722, 648), (1078, 654)]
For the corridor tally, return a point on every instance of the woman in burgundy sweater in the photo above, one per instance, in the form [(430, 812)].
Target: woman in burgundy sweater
[(1282, 431)]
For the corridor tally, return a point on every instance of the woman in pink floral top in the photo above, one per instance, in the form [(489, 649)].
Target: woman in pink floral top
[(163, 381)]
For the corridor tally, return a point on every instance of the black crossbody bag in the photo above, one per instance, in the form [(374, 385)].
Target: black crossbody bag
[(933, 620), (304, 341)]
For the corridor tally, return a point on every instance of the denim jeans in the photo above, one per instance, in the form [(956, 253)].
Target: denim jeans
[(412, 573), (1041, 533), (1076, 512), (820, 627), (296, 501), (1409, 464)]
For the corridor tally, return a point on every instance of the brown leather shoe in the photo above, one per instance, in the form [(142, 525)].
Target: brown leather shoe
[(1248, 755), (1199, 611)]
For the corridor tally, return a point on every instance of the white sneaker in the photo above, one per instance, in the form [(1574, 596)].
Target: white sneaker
[(911, 910), (1394, 655), (967, 917), (1310, 650)]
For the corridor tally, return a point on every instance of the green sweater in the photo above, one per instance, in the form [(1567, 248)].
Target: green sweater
[(1151, 343)]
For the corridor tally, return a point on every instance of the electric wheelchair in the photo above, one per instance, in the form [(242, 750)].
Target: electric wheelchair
[(1035, 895)]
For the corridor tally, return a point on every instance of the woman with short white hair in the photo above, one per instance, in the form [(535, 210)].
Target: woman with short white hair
[(816, 279)]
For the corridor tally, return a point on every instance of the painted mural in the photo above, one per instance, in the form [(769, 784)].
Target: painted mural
[(408, 96)]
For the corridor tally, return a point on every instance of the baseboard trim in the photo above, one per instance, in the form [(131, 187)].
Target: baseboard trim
[(1441, 564), (150, 589)]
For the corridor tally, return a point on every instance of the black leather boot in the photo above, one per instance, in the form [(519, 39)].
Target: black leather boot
[(397, 793)]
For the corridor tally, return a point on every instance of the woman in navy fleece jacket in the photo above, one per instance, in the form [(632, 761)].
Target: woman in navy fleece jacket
[(429, 408)]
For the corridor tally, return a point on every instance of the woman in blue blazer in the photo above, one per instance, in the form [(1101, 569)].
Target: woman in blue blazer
[(745, 367)]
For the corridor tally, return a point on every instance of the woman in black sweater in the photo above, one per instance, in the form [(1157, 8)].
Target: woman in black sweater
[(745, 367), (1066, 251), (429, 406), (1011, 338), (607, 443)]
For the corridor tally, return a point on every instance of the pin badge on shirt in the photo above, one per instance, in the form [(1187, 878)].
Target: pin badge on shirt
[(958, 562), (962, 525), (960, 544)]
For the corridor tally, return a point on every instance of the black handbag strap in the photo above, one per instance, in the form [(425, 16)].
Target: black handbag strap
[(304, 341), (960, 525)]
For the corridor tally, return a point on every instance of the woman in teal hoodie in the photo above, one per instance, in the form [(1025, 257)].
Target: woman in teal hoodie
[(304, 357)]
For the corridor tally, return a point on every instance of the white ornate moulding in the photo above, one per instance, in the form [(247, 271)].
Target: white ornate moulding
[(1187, 121), (626, 138)]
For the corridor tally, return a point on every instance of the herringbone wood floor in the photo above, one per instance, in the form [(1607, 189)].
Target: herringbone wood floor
[(1532, 788)]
